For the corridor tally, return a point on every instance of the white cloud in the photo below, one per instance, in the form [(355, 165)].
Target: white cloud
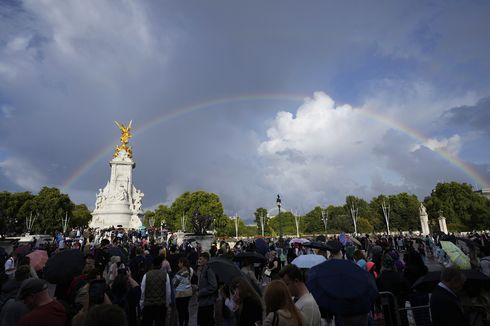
[(321, 153), (22, 173), (450, 145)]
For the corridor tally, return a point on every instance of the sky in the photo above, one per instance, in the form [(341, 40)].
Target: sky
[(312, 100)]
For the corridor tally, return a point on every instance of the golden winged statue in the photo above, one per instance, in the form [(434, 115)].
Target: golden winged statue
[(125, 135)]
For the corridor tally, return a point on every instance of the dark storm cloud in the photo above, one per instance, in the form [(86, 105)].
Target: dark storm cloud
[(69, 69), (475, 117)]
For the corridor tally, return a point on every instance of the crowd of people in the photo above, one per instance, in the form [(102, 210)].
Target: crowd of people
[(133, 278)]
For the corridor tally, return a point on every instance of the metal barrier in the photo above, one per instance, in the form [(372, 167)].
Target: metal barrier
[(388, 313)]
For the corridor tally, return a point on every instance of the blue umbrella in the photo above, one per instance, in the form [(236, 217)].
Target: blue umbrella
[(341, 287), (261, 246)]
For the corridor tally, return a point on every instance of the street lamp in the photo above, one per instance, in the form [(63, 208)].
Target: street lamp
[(278, 202), (325, 219)]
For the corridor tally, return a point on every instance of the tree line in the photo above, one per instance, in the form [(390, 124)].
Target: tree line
[(198, 211)]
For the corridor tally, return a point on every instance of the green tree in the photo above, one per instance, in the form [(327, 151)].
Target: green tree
[(49, 207), (262, 213), (161, 216), (10, 204), (81, 216), (463, 208), (364, 226), (313, 221), (357, 206), (202, 207), (222, 225)]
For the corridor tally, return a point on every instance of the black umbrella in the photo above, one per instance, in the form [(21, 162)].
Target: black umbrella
[(118, 251), (226, 271), (261, 246), (63, 266), (321, 238), (474, 279), (317, 245), (341, 287), (251, 256)]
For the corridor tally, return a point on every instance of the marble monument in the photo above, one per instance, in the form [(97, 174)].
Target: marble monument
[(119, 203), (424, 219)]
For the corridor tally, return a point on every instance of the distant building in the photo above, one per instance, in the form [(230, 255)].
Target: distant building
[(485, 192)]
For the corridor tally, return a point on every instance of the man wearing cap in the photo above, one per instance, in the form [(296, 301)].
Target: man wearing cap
[(43, 309)]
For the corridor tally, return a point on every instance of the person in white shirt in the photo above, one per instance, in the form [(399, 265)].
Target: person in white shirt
[(293, 277), (10, 265)]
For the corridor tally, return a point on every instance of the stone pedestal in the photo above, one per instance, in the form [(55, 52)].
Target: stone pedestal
[(442, 224), (119, 203)]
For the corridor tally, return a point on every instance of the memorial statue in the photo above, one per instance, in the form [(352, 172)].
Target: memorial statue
[(422, 210), (125, 135)]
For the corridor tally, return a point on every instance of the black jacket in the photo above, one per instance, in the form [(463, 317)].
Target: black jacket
[(446, 309)]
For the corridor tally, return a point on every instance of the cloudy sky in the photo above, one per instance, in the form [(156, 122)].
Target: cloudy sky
[(314, 100)]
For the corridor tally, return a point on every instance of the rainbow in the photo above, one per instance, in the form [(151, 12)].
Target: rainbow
[(105, 151)]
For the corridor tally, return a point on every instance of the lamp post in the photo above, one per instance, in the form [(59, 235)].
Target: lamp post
[(262, 223), (325, 219), (278, 202)]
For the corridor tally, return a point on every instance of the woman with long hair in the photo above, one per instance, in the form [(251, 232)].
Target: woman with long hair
[(247, 300), (279, 307), (183, 291)]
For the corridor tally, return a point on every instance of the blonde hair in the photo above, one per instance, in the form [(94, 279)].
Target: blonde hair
[(277, 296)]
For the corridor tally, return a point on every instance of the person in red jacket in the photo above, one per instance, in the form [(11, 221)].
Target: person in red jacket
[(44, 310)]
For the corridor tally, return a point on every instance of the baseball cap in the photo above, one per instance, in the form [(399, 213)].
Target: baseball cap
[(31, 286)]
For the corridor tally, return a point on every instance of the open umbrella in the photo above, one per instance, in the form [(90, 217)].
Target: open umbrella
[(474, 278), (261, 246), (118, 251), (321, 238), (63, 266), (38, 259), (317, 245), (341, 287), (23, 249), (308, 261), (456, 256), (251, 256), (226, 271), (299, 240)]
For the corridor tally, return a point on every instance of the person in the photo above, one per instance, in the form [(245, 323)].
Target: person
[(248, 269), (415, 267), (207, 291), (335, 248), (360, 259), (392, 281), (155, 294), (106, 315), (279, 307), (273, 266), (11, 309), (445, 306), (126, 293), (183, 291), (247, 301), (44, 310), (10, 265), (292, 276), (485, 261)]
